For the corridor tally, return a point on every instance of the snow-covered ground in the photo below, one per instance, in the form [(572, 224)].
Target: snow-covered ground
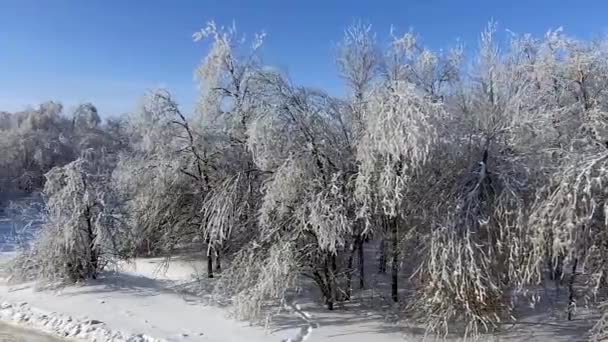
[(132, 302), (141, 304)]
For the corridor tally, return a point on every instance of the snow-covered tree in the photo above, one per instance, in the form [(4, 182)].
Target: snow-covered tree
[(86, 117), (83, 231)]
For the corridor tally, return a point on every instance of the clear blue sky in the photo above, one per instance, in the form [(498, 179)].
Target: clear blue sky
[(109, 52)]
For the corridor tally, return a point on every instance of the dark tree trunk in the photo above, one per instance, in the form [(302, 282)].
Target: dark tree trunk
[(209, 267), (91, 269), (395, 261), (361, 262), (218, 263), (549, 251), (334, 278), (329, 290), (603, 281), (571, 299), (94, 263), (209, 260), (382, 259), (559, 269), (350, 270)]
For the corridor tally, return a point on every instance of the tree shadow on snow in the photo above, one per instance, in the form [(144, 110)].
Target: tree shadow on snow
[(121, 283), (195, 292)]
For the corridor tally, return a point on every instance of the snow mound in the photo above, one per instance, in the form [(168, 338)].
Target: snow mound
[(61, 325)]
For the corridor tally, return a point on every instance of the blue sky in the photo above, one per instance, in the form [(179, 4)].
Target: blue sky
[(109, 52)]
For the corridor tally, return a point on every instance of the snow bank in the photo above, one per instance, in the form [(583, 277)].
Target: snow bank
[(65, 326)]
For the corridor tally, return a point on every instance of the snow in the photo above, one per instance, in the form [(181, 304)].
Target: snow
[(64, 325), (143, 303), (131, 302)]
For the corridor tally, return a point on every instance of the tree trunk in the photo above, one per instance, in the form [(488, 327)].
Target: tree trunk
[(94, 263), (571, 299), (350, 270), (334, 280), (603, 281), (382, 259), (91, 269), (559, 269), (361, 262), (395, 261), (209, 266), (209, 260), (218, 263), (329, 291), (549, 251)]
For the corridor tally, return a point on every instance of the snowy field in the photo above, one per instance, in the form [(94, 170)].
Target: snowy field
[(141, 304), (139, 300), (147, 300)]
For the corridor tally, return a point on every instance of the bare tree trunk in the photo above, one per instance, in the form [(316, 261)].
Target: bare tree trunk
[(209, 260), (382, 259), (334, 279), (209, 267), (350, 270), (94, 263), (559, 269), (218, 263), (549, 252), (329, 291), (571, 299), (91, 270), (395, 261), (359, 242)]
